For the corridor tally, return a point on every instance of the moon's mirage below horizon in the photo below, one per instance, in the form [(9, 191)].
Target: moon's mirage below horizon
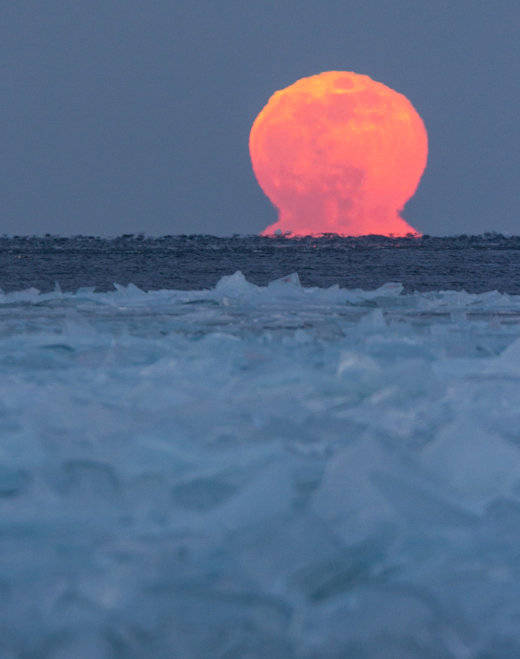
[(339, 153)]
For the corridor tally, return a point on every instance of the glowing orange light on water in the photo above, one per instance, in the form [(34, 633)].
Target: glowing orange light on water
[(339, 153)]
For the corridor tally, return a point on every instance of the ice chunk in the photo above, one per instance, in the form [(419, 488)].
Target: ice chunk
[(13, 481), (88, 478), (390, 289), (403, 622), (508, 362), (81, 645), (235, 286), (201, 494), (477, 463), (287, 286), (348, 499), (355, 364)]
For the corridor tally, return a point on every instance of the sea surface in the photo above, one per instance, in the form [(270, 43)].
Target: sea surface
[(260, 448), (475, 264)]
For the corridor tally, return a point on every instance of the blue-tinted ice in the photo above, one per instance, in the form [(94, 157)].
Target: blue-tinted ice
[(259, 472)]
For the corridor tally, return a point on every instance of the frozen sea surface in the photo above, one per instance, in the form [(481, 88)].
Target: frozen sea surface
[(257, 472)]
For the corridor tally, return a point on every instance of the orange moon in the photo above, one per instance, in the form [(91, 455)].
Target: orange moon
[(339, 153)]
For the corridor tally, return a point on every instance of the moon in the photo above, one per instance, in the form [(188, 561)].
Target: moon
[(339, 153)]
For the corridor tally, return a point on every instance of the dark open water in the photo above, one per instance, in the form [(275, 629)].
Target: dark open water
[(474, 263)]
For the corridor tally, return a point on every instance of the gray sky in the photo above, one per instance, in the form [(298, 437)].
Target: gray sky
[(134, 115)]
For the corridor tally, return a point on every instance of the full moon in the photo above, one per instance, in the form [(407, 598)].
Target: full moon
[(339, 153)]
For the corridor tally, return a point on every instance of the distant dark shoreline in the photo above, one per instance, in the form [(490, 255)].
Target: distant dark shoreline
[(480, 263), (57, 241)]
